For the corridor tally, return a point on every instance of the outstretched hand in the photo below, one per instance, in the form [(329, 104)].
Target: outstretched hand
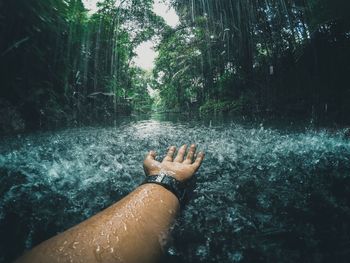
[(180, 168)]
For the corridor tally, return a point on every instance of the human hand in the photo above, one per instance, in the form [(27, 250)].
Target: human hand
[(182, 169)]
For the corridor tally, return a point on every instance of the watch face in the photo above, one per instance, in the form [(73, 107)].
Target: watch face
[(160, 178)]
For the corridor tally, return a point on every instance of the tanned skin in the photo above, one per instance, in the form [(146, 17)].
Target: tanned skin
[(133, 230)]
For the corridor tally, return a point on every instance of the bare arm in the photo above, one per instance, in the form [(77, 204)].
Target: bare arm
[(135, 229)]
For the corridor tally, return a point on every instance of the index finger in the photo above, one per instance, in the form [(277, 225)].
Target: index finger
[(169, 156), (197, 163), (151, 155)]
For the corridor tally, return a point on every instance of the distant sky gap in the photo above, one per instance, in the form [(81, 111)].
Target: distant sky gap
[(145, 52)]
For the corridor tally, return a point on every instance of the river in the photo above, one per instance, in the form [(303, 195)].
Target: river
[(265, 192)]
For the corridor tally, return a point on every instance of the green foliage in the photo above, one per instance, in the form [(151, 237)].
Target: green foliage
[(212, 106), (139, 96), (178, 68), (288, 57), (59, 64)]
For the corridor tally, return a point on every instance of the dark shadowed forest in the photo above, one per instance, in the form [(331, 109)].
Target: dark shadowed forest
[(284, 58)]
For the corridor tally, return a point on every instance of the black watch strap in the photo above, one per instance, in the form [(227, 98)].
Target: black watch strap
[(170, 183)]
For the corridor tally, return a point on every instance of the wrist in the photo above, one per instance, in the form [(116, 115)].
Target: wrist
[(178, 188)]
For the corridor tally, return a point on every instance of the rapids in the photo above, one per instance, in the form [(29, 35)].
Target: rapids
[(264, 193)]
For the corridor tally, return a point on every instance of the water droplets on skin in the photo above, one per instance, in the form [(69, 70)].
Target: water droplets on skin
[(70, 175), (171, 211), (61, 248), (75, 244), (98, 253), (167, 172), (108, 239)]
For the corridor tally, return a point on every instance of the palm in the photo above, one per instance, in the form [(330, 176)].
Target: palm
[(180, 168)]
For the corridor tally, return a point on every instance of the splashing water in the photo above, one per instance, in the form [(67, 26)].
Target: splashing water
[(263, 194)]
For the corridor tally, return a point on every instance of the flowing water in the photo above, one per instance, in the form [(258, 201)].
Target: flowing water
[(264, 193)]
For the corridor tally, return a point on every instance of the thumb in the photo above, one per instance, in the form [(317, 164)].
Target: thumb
[(151, 155)]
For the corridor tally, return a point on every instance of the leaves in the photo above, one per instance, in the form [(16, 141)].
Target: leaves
[(58, 42)]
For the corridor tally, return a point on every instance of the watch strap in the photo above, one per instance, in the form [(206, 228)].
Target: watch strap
[(170, 183)]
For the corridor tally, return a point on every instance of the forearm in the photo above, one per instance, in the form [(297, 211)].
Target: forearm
[(132, 230)]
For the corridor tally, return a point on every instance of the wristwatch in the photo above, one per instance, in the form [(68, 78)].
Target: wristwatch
[(170, 183)]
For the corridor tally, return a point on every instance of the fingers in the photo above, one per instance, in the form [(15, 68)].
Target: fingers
[(151, 155), (170, 154), (180, 155), (190, 154), (149, 162), (197, 163)]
